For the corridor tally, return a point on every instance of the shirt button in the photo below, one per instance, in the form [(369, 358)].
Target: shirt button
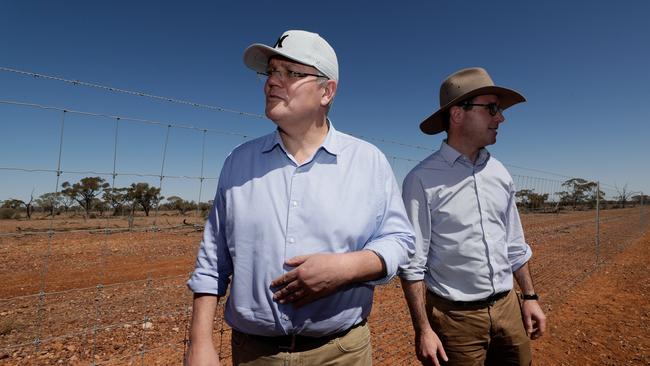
[(291, 240), (294, 203)]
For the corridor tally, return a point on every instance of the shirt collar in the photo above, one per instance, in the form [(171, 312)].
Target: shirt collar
[(451, 155), (271, 141), (483, 156), (331, 144)]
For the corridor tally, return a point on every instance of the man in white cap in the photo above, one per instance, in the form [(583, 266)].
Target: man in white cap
[(469, 239), (306, 220)]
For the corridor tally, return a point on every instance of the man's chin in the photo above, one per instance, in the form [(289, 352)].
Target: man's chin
[(272, 112), (490, 142)]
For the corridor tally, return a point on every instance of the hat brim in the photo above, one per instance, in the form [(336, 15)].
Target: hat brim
[(507, 98), (257, 55)]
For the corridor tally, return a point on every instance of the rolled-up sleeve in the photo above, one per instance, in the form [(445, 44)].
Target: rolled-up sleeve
[(519, 252), (394, 239), (417, 209), (213, 262)]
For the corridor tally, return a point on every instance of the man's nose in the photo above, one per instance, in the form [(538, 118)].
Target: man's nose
[(500, 117), (274, 79), (271, 83)]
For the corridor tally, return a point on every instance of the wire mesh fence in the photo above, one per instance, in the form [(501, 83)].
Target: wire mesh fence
[(107, 286)]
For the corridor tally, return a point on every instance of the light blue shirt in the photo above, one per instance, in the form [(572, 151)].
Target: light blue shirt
[(469, 238), (268, 209)]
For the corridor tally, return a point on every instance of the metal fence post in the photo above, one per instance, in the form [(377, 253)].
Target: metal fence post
[(641, 226), (597, 221)]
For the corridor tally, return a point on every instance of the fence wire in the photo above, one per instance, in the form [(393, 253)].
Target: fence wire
[(111, 290)]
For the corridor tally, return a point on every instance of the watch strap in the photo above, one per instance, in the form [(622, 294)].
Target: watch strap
[(530, 297)]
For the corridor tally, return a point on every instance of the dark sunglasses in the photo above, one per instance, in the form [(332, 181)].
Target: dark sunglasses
[(492, 108)]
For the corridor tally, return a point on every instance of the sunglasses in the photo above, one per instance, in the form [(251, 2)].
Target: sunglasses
[(492, 108)]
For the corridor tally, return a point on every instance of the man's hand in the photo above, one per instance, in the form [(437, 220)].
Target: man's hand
[(315, 276), (201, 354), (428, 347), (534, 319)]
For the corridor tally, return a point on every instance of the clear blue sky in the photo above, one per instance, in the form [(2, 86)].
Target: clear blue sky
[(583, 65)]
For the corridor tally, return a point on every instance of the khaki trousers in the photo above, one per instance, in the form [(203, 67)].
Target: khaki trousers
[(488, 335), (352, 349)]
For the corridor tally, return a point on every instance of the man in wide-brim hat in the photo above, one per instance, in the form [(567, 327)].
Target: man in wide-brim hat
[(469, 239)]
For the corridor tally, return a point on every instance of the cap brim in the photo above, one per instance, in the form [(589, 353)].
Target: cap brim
[(257, 55), (507, 98)]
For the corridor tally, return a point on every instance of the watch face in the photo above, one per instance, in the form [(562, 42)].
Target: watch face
[(530, 297)]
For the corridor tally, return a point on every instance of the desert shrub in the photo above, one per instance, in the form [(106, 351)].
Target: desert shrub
[(7, 213)]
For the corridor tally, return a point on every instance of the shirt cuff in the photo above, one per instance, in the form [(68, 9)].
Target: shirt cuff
[(392, 254), (411, 274), (516, 263), (207, 283)]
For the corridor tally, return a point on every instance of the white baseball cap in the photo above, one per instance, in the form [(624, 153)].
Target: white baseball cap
[(297, 45)]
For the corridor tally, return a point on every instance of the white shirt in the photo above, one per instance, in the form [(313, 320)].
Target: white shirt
[(469, 238)]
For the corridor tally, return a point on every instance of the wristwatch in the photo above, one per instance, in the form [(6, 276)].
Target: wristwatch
[(529, 297)]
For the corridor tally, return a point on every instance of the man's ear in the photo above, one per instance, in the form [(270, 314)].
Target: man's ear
[(329, 91), (455, 115)]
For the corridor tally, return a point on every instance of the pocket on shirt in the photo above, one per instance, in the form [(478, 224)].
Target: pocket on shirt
[(357, 339)]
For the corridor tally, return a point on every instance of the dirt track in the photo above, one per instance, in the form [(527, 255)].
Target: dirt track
[(107, 297)]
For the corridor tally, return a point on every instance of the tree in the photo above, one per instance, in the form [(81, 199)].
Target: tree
[(591, 196), (84, 191), (116, 198), (641, 199), (10, 208), (49, 202), (100, 206), (530, 199), (177, 203), (579, 191), (29, 205), (66, 202), (205, 206), (13, 203), (623, 195), (144, 195)]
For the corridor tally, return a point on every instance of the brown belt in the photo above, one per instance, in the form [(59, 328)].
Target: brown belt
[(297, 342), (482, 303)]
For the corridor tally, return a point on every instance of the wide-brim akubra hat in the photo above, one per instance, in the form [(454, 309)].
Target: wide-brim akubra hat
[(466, 84)]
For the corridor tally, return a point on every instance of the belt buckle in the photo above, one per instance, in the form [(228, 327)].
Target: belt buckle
[(496, 297), (291, 347)]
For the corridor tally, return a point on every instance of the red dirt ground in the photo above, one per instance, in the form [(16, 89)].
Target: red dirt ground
[(119, 298), (604, 320)]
